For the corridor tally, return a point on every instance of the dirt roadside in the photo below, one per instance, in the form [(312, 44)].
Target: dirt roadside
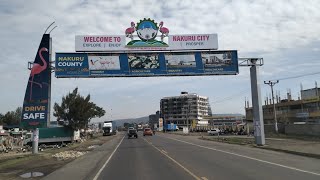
[(293, 144), (14, 165)]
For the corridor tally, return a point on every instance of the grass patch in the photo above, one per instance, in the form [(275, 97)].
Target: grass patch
[(230, 140), (17, 160), (297, 137), (317, 156)]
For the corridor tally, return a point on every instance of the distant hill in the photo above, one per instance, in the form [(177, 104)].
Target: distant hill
[(119, 122)]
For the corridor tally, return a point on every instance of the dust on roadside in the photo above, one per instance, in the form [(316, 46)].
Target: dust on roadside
[(14, 165)]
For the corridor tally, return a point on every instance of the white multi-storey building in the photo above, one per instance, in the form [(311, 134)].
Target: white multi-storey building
[(183, 109)]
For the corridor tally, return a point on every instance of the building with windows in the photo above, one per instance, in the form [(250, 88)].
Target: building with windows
[(226, 120), (288, 111), (185, 109), (154, 119)]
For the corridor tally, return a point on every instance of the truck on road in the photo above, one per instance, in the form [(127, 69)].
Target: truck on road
[(171, 127), (140, 127), (53, 135), (109, 128)]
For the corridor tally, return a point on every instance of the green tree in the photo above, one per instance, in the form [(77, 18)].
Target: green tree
[(126, 125), (1, 119), (11, 117), (76, 111)]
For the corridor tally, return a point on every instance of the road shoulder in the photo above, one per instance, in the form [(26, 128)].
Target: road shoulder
[(262, 155), (87, 166)]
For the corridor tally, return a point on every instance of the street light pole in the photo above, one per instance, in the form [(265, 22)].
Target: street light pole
[(188, 114), (271, 84), (187, 111), (187, 117), (111, 115)]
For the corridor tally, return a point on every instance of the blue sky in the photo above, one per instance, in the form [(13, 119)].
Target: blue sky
[(285, 33)]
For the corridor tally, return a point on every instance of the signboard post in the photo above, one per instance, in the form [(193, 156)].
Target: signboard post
[(160, 124), (185, 130), (35, 141), (257, 105)]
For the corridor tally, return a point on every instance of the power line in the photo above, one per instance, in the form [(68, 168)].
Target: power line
[(298, 76), (231, 96), (246, 90)]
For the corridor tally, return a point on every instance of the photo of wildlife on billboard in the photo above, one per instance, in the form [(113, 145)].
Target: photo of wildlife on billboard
[(104, 62), (142, 61)]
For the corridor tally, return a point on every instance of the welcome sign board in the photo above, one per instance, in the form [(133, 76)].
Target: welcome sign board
[(145, 35)]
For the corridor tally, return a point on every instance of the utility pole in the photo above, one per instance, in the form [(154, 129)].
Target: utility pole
[(35, 141), (271, 84), (187, 111), (187, 115), (111, 114)]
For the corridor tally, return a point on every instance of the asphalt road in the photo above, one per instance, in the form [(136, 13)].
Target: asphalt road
[(137, 159), (176, 157)]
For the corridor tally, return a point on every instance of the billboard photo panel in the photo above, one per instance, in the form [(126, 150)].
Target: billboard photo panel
[(216, 60), (143, 61), (180, 61), (104, 62), (220, 62)]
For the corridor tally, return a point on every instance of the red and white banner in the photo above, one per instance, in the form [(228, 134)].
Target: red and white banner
[(91, 43), (193, 41), (100, 43)]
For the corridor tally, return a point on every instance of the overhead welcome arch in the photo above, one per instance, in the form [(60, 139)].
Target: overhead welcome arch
[(145, 49)]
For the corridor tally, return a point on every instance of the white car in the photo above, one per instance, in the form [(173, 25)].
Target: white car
[(214, 132)]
